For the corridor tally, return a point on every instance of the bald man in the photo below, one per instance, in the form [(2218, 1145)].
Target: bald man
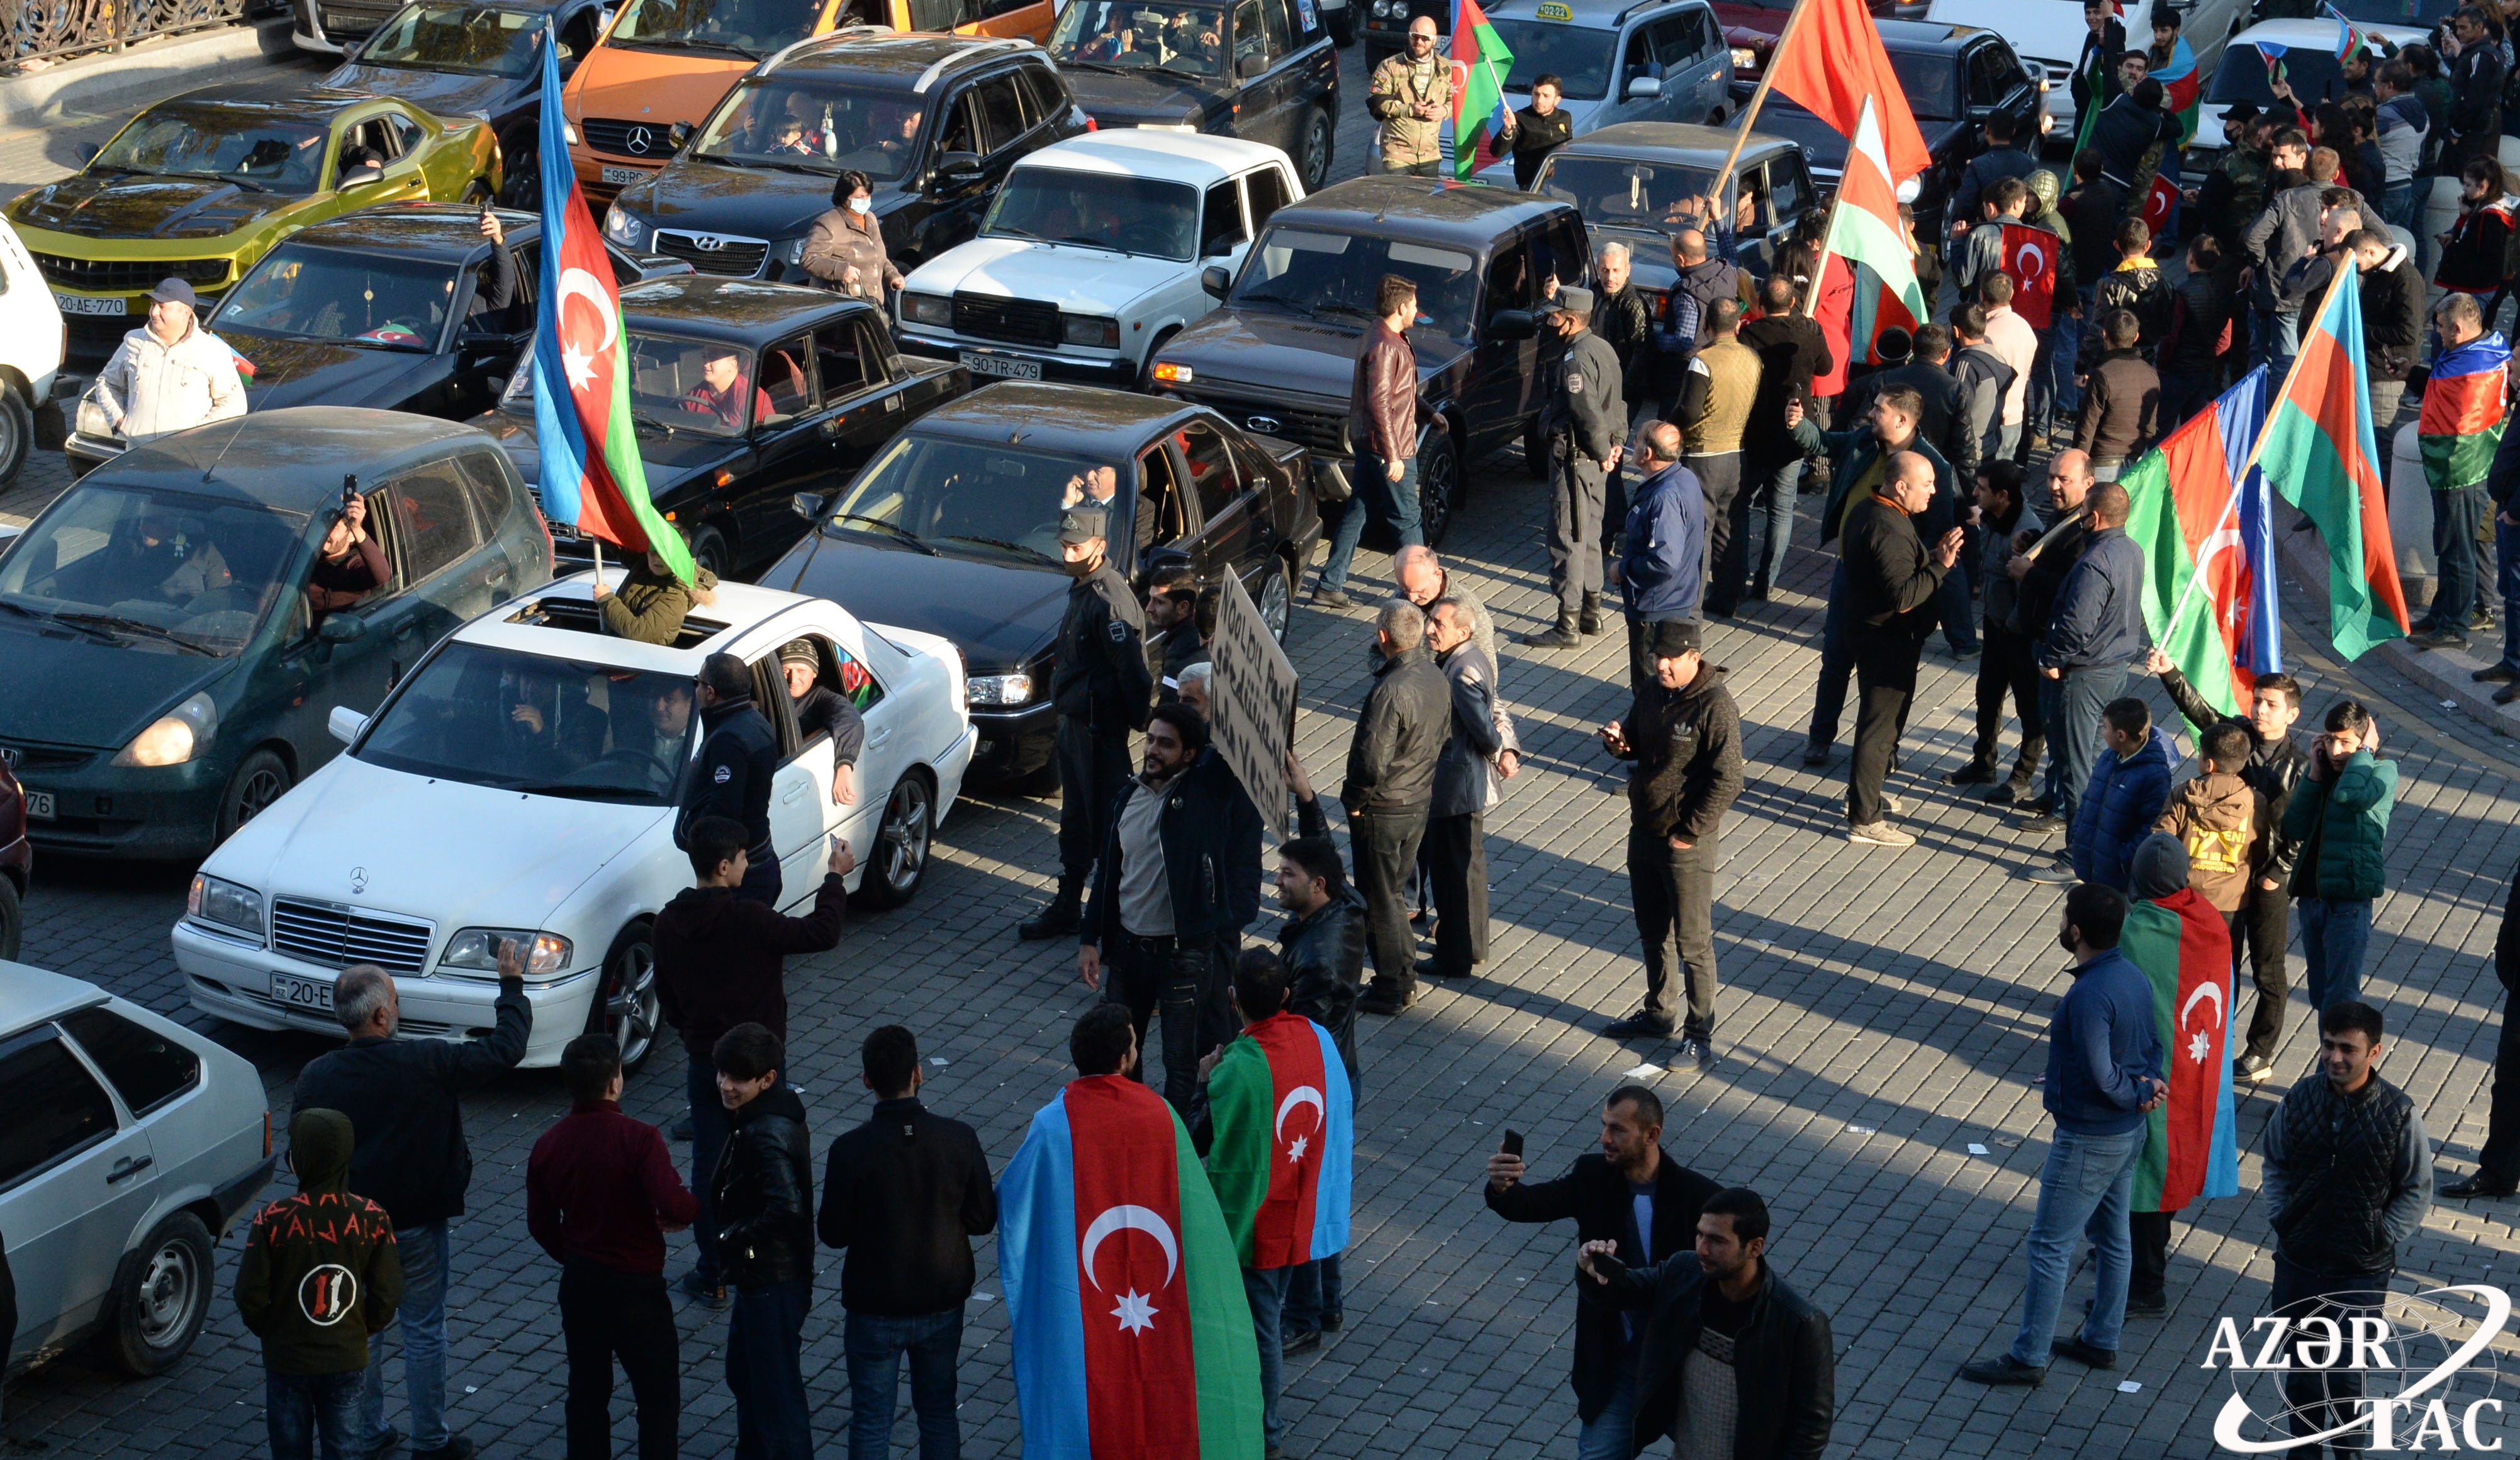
[(1892, 579)]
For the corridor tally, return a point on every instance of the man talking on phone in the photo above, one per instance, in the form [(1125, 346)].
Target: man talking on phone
[(1629, 1194)]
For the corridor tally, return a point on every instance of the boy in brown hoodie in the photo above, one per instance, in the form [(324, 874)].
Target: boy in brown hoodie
[(2222, 821)]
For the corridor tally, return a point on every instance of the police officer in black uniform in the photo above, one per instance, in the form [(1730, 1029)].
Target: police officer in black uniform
[(738, 757), (1103, 691)]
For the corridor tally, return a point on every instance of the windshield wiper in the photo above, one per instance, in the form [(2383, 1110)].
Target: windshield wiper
[(965, 536), (1339, 308), (1078, 237), (642, 418), (247, 183), (120, 625), (893, 528), (1264, 296), (1093, 66), (585, 792), (1010, 230)]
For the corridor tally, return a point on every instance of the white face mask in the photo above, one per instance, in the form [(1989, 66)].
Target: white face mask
[(861, 206)]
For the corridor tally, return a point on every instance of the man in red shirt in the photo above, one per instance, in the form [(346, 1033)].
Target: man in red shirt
[(601, 1194), (722, 390)]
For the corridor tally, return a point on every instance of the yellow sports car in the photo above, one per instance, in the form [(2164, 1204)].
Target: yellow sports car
[(199, 187)]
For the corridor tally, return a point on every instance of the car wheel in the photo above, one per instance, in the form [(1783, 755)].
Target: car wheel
[(1313, 162), (260, 781), (626, 1006), (13, 920), (160, 1297), (1438, 486), (16, 433), (522, 185), (709, 550), (1277, 597), (897, 862), (1343, 25)]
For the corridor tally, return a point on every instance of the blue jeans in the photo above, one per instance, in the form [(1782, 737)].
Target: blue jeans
[(2052, 393), (2274, 340), (2507, 573), (1266, 1289), (2070, 707), (300, 1409), (2456, 516), (1957, 603), (709, 1127), (1313, 1295), (2334, 932), (422, 1322), (1836, 660), (1377, 495), (1772, 501), (1610, 1435), (2083, 1190), (875, 1343), (765, 1368)]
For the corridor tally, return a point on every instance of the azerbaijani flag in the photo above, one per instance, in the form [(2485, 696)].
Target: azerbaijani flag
[(591, 476), (2463, 420), (2177, 76), (2271, 53), (2208, 541), (1132, 1336), (1480, 65), (2349, 38), (1285, 1142), (1865, 229), (2322, 453), (2190, 1148)]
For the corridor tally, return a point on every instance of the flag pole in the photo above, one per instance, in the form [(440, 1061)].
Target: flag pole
[(1820, 267), (597, 544), (1758, 99)]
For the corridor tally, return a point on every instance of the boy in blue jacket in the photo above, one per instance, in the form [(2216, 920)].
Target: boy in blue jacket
[(2129, 788)]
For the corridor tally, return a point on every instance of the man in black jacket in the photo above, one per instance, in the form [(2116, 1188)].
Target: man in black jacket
[(1629, 1194), (2041, 571), (1792, 351), (763, 1196), (905, 1194), (1400, 736), (1177, 883), (1892, 582), (2497, 1165), (1102, 688), (1943, 422), (1624, 319), (1322, 943), (2191, 353), (2393, 318), (1719, 1319), (403, 1100), (2475, 121), (739, 758), (1684, 738)]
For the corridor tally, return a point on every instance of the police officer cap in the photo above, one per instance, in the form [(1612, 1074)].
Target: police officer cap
[(1083, 524), (1673, 637), (1575, 300)]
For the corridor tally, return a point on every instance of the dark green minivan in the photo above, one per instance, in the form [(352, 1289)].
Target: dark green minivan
[(169, 675)]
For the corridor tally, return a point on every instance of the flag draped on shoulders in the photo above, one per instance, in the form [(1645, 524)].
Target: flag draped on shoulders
[(1131, 1338), (1480, 65), (2190, 1145), (1284, 1149), (2208, 539), (2463, 417)]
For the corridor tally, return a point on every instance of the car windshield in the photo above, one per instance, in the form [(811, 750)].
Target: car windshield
[(1618, 192), (745, 28), (1125, 214), (1579, 55), (159, 571), (814, 127), (998, 499), (681, 385), (1335, 274), (2244, 76), (180, 141), (2414, 14), (364, 299), (1134, 35), (1932, 82), (468, 38), (517, 721)]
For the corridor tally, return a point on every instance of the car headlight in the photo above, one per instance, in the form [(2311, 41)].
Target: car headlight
[(569, 131), (927, 309), (1744, 58), (175, 737), (92, 420), (623, 227), (1384, 10), (792, 253), (225, 903), (998, 689), (1169, 373), (1089, 329), (476, 949)]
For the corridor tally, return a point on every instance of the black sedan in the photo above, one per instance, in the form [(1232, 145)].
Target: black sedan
[(461, 57), (744, 394), (954, 531), (1264, 71)]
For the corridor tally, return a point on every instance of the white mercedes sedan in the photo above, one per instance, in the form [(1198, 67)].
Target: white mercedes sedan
[(520, 783)]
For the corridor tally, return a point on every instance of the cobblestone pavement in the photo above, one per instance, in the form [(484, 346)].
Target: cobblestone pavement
[(1884, 1010)]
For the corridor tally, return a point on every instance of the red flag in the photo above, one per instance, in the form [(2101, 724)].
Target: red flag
[(2158, 202), (1140, 1374), (2030, 258), (1829, 60), (1281, 1230)]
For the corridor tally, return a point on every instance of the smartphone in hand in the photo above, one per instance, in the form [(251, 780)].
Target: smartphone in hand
[(1513, 1145)]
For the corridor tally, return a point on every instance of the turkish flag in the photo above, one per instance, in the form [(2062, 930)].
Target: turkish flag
[(2030, 258), (2158, 204)]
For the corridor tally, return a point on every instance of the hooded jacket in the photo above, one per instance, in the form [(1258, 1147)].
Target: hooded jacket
[(2342, 826), (2402, 124), (2138, 287), (721, 958), (1985, 379), (2477, 256), (763, 1193), (2126, 797), (150, 388), (2222, 822), (319, 1272), (649, 606), (738, 759), (1685, 744)]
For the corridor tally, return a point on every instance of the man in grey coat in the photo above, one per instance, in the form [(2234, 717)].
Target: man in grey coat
[(1480, 757), (1584, 422)]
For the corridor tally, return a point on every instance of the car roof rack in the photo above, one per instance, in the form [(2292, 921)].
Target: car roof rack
[(869, 32), (927, 77)]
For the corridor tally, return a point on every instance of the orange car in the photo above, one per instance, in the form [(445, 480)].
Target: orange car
[(664, 64)]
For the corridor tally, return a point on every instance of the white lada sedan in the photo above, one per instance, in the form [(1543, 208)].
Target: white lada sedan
[(520, 783)]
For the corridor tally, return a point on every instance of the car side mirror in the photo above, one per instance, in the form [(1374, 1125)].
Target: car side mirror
[(344, 723), (1513, 324), (88, 153), (342, 628), (1215, 281), (1644, 88), (958, 170), (678, 134), (1159, 558), (1250, 66), (808, 506)]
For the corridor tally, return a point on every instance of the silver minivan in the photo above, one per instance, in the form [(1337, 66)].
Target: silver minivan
[(129, 1145)]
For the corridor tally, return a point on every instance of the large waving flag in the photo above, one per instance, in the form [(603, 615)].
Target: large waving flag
[(2190, 1146), (1132, 1336), (591, 472), (2463, 417), (1831, 60), (2207, 540), (2179, 77), (1865, 229), (2322, 453), (1480, 65), (1286, 1136)]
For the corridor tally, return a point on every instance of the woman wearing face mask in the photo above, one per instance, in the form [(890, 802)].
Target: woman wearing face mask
[(846, 249)]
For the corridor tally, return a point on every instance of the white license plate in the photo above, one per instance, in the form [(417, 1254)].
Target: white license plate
[(39, 806), (1002, 368), (82, 304), (623, 177), (312, 995)]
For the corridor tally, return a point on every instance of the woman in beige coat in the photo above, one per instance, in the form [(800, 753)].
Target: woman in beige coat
[(846, 252)]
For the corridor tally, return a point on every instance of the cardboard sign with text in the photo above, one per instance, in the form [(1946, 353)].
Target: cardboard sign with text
[(1251, 695)]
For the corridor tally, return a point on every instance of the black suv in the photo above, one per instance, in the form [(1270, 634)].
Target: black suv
[(1280, 358), (934, 122), (1264, 71), (814, 388)]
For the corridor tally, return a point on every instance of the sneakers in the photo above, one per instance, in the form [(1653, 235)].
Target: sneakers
[(2057, 874), (2044, 823), (1815, 752), (2252, 1069), (1879, 834), (2446, 637), (1698, 1052), (2083, 1353), (2496, 673), (1640, 1026), (714, 1299), (1974, 773), (2004, 1368), (1331, 598)]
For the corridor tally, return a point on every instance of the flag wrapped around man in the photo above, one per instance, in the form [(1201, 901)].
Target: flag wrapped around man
[(2463, 420), (2183, 948)]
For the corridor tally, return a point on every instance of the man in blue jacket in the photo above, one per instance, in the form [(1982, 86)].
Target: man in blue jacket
[(2104, 1076), (2094, 631), (1662, 572), (2127, 793)]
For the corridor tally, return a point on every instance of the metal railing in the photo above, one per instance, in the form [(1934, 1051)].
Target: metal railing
[(56, 29)]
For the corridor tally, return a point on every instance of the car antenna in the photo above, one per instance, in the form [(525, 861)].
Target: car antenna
[(212, 468)]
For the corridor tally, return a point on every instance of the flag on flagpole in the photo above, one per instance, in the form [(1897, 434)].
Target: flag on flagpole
[(2190, 1146), (1832, 63), (1832, 308), (1480, 65), (2209, 548), (2179, 79), (2462, 419), (1865, 229), (2271, 53), (2322, 455), (2349, 38), (591, 476), (1285, 1146)]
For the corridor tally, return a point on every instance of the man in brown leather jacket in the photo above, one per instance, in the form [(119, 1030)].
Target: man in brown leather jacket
[(1382, 423)]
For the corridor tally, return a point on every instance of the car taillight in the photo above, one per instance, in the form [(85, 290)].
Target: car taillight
[(266, 1134)]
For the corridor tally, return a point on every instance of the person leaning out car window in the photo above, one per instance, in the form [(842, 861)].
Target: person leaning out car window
[(350, 565), (845, 250)]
